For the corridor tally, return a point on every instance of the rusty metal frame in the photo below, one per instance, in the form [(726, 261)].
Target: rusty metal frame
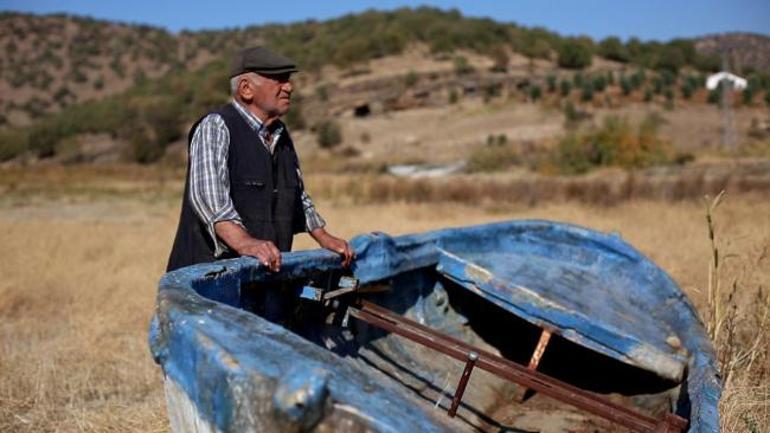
[(383, 318)]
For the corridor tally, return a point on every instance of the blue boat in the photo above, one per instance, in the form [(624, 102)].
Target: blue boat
[(516, 326)]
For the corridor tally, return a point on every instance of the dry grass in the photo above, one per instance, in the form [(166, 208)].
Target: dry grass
[(80, 274)]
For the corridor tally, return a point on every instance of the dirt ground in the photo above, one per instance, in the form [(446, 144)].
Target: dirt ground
[(80, 274)]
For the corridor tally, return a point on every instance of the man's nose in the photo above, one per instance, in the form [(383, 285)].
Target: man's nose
[(288, 87)]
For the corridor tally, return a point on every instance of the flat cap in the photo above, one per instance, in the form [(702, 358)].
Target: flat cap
[(261, 61)]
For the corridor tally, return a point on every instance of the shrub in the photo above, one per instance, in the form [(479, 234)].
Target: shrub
[(410, 79), (638, 78), (294, 118), (500, 58), (490, 91), (689, 86), (577, 79), (453, 97), (565, 87), (648, 95), (322, 92), (462, 66), (599, 83), (625, 85), (669, 95), (572, 116), (613, 49), (586, 92), (497, 154), (551, 82), (657, 85), (13, 142), (574, 54), (535, 93), (613, 144), (329, 134)]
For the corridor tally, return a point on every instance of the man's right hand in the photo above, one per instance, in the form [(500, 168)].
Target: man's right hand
[(237, 238), (265, 251)]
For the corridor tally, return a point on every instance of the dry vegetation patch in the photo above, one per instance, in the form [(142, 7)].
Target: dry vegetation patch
[(80, 276)]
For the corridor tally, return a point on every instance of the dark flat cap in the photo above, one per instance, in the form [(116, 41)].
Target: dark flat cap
[(261, 61)]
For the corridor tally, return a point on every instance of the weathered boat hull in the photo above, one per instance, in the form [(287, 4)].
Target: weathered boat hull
[(227, 369)]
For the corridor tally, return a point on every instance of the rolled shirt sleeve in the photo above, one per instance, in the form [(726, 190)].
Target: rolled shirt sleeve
[(313, 219), (209, 177)]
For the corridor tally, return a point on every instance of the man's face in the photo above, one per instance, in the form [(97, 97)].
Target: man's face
[(272, 93)]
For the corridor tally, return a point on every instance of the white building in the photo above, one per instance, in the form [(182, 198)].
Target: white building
[(712, 82)]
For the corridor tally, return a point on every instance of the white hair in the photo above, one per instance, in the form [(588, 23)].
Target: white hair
[(235, 81)]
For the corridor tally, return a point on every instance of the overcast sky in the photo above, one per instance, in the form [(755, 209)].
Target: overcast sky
[(646, 19)]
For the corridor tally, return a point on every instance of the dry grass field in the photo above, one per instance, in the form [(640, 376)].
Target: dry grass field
[(82, 253)]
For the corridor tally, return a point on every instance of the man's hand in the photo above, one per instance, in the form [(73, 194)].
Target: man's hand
[(237, 238), (333, 243)]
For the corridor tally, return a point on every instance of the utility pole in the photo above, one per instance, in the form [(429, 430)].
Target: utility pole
[(728, 137)]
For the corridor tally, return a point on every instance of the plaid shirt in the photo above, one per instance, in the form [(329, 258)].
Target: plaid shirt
[(210, 180)]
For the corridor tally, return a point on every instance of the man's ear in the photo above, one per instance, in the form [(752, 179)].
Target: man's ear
[(245, 90)]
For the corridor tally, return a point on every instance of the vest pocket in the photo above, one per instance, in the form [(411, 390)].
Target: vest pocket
[(252, 199)]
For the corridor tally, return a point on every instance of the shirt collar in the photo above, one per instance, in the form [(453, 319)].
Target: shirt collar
[(274, 131)]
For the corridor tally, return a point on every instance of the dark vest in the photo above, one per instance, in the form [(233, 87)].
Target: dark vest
[(265, 190)]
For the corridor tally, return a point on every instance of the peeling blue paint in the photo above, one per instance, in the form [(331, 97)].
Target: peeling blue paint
[(590, 287)]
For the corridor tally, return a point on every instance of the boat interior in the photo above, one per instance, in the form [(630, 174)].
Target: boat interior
[(331, 310)]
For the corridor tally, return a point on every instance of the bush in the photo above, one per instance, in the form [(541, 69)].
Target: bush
[(648, 95), (565, 87), (453, 96), (462, 66), (625, 85), (689, 86), (294, 118), (496, 155), (586, 92), (13, 142), (551, 82), (599, 83), (577, 79), (500, 58), (574, 54), (535, 93), (613, 144), (410, 79), (329, 134), (613, 49)]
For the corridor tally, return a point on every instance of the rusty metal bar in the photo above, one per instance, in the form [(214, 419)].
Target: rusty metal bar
[(545, 337), (537, 355), (389, 321), (469, 364)]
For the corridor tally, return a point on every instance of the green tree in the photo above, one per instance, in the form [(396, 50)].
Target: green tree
[(612, 48), (574, 54)]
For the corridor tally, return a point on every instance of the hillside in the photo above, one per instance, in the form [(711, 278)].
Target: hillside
[(81, 90)]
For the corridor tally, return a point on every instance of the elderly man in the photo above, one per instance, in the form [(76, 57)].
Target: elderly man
[(244, 194)]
